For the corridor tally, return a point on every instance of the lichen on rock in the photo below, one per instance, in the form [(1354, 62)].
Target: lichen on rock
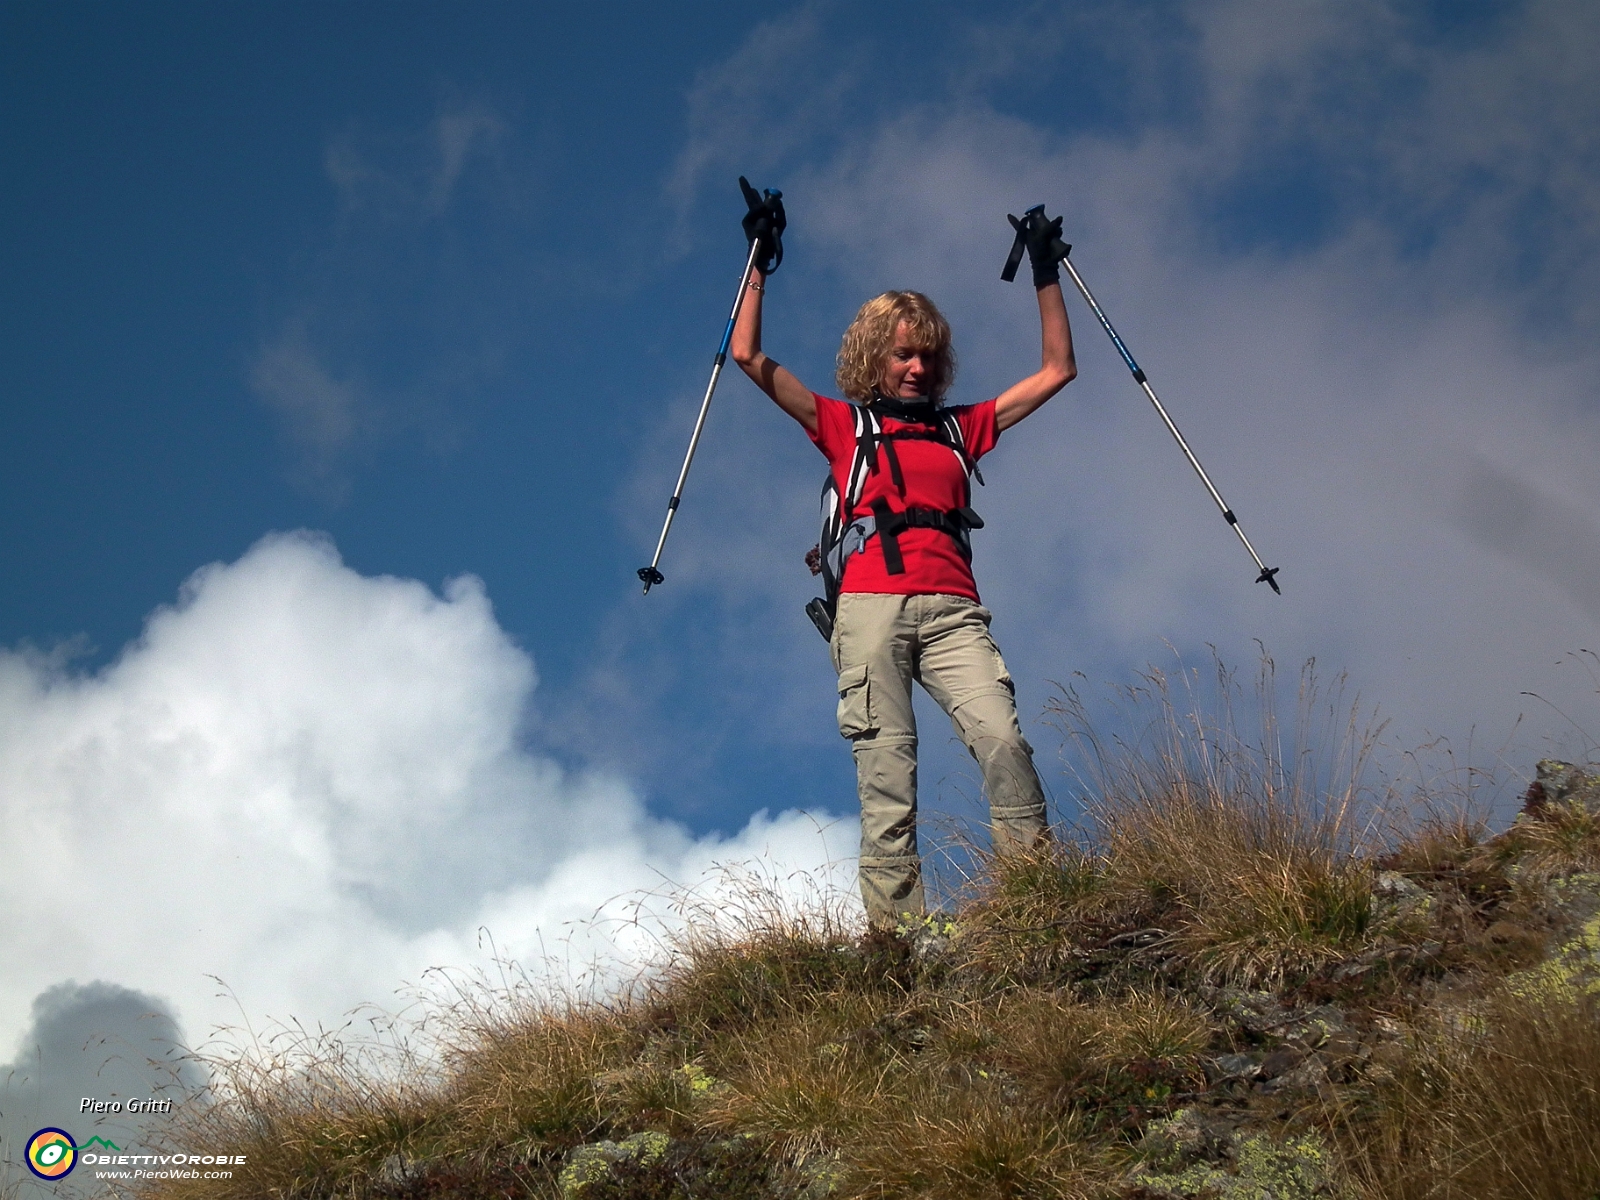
[(587, 1165), (1570, 971), (1557, 782), (1196, 1156)]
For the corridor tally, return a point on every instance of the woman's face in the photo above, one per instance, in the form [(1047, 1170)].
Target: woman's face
[(909, 370)]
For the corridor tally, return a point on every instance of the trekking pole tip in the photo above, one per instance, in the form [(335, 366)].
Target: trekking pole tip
[(1268, 577), (650, 577)]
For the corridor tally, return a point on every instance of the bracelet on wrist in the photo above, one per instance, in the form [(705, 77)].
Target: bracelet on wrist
[(756, 287)]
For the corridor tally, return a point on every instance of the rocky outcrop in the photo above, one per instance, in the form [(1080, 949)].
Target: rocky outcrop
[(1557, 782)]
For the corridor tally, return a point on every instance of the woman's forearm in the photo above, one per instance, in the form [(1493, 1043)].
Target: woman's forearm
[(1056, 335), (1057, 365), (745, 345), (766, 373)]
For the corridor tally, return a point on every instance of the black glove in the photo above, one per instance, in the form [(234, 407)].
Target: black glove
[(1041, 237), (764, 223)]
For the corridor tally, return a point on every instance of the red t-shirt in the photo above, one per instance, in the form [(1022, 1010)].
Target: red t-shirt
[(935, 477)]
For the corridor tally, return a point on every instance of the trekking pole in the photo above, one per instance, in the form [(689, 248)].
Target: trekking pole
[(651, 575), (1268, 574)]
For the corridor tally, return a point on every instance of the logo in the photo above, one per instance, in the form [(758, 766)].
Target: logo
[(51, 1154)]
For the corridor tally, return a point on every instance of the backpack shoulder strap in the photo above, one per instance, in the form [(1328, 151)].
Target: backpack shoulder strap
[(951, 424), (869, 431)]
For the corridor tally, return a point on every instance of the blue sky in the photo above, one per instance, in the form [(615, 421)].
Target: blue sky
[(441, 285)]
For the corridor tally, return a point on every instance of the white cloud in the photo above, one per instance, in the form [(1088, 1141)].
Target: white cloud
[(745, 109), (313, 785), (1557, 543), (458, 132)]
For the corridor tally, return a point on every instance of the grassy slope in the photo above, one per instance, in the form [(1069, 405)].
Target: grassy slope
[(1221, 946)]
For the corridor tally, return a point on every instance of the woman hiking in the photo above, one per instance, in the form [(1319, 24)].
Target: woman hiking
[(908, 607)]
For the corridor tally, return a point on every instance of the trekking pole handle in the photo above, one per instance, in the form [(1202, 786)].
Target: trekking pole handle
[(1019, 244), (651, 575)]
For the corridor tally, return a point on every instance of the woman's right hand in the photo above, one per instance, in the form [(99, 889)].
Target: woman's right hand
[(765, 222)]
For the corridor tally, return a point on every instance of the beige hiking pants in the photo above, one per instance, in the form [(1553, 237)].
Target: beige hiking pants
[(881, 643)]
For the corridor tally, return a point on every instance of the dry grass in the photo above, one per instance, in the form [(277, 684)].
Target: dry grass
[(777, 1044), (1552, 841), (1253, 892), (974, 1143), (1502, 1104), (1113, 1062), (1244, 856), (538, 1085), (810, 1085), (1441, 844), (310, 1114), (1028, 917)]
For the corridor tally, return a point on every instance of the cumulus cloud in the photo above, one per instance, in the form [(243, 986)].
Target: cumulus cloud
[(312, 786), (1356, 261)]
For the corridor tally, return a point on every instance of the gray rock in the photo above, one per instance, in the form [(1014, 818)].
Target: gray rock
[(1189, 1136), (1309, 1076), (1234, 1066), (1391, 885), (1396, 898), (821, 1175), (1257, 1012), (1197, 1156), (395, 1169), (1576, 897), (1262, 1013), (1281, 1061), (587, 1165), (1308, 1028), (1557, 782)]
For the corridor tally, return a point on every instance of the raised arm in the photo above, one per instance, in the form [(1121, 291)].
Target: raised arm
[(1057, 366), (772, 378)]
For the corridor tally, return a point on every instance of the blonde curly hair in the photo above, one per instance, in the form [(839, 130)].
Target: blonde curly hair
[(866, 345)]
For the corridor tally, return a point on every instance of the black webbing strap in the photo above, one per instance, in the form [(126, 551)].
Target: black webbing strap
[(893, 455), (872, 439), (939, 426), (889, 525)]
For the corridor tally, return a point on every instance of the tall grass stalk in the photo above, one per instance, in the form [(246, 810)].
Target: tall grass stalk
[(1247, 844), (310, 1111), (1501, 1105)]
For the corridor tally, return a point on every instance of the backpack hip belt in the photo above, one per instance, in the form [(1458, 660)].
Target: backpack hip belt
[(889, 525)]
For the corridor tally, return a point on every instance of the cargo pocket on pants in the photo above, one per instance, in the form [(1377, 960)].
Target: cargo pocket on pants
[(855, 703)]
